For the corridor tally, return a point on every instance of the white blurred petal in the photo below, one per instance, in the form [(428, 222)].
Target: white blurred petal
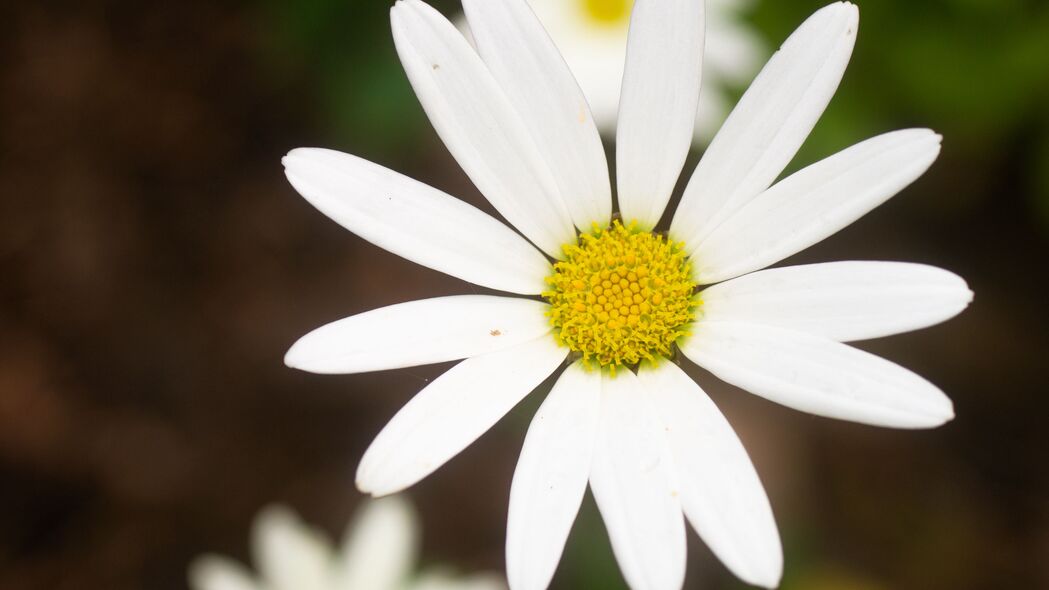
[(531, 71), (452, 412), (290, 554), (657, 110), (479, 125), (734, 50), (415, 221), (380, 546), (770, 123), (720, 491), (815, 203), (551, 477), (842, 301), (419, 333), (635, 488), (817, 375), (218, 573), (595, 52)]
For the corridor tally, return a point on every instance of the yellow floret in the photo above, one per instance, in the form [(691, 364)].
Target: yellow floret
[(621, 296)]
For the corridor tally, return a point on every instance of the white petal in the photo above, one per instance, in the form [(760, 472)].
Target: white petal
[(815, 203), (551, 477), (479, 125), (290, 554), (452, 412), (415, 221), (419, 333), (218, 573), (817, 375), (657, 109), (380, 546), (842, 301), (537, 81), (770, 122), (636, 490), (720, 491)]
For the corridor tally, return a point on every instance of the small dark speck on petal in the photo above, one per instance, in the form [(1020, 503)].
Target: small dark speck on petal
[(496, 333), (436, 67)]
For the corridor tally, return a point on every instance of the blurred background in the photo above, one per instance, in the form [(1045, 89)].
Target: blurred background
[(155, 265)]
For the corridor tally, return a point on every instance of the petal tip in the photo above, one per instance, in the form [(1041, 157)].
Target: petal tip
[(849, 9), (940, 416), (367, 483), (771, 581), (299, 156), (289, 159), (293, 359), (362, 485), (949, 414)]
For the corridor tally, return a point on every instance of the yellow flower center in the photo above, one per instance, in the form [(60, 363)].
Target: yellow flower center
[(621, 296), (607, 12)]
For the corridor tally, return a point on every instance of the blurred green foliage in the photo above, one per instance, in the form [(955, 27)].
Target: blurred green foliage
[(976, 71), (342, 54)]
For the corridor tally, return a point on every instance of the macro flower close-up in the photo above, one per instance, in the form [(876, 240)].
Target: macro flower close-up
[(524, 295), (378, 553), (615, 299)]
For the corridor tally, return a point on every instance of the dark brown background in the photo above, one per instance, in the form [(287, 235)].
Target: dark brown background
[(155, 265)]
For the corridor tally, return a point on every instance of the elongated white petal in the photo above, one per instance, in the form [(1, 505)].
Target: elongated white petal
[(815, 203), (842, 301), (657, 109), (419, 333), (452, 412), (551, 478), (479, 125), (529, 68), (380, 546), (218, 573), (289, 553), (817, 375), (415, 221), (720, 491), (635, 488), (770, 123)]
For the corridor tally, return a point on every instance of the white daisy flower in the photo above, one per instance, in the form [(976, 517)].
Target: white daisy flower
[(619, 300), (592, 37), (378, 553)]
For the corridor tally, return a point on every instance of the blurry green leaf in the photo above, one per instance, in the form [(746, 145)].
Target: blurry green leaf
[(588, 561), (342, 53)]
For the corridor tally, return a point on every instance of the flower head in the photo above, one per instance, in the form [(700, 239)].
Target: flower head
[(621, 296), (615, 297), (378, 553)]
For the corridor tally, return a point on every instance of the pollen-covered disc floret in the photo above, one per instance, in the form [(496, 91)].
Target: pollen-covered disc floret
[(621, 296)]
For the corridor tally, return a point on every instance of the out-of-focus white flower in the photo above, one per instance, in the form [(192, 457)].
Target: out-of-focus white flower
[(592, 37), (621, 300), (377, 553)]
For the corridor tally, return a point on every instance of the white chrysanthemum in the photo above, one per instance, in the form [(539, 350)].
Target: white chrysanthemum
[(592, 37), (620, 299), (378, 553)]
